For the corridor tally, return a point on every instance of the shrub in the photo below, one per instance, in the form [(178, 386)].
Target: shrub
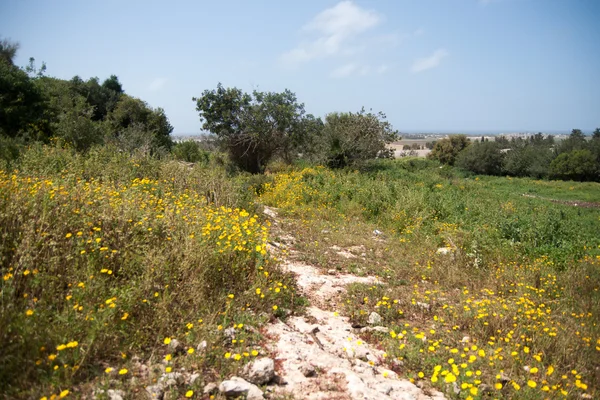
[(576, 165), (446, 150), (190, 151), (481, 158), (352, 138)]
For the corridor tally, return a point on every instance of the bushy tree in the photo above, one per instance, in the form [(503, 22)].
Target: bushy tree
[(190, 151), (253, 127), (351, 138), (21, 102), (529, 160), (446, 150), (8, 51), (579, 165), (135, 118), (481, 158)]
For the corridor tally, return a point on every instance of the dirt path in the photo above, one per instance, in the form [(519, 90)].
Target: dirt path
[(320, 355)]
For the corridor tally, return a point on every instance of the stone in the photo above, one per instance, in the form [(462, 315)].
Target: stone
[(202, 346), (115, 394), (156, 391), (229, 333), (380, 329), (307, 369), (238, 387), (210, 388), (443, 251), (260, 371), (423, 306), (176, 346), (193, 378), (331, 271), (466, 339), (172, 379), (374, 318)]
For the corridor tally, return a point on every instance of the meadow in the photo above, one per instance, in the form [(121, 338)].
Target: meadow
[(109, 260)]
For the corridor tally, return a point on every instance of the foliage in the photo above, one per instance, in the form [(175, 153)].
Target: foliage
[(8, 51), (21, 103), (517, 286), (446, 150), (133, 121), (579, 165), (528, 160), (190, 151), (254, 127), (104, 255), (481, 158), (351, 138)]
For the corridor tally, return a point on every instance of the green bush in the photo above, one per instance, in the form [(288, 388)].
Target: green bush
[(578, 165), (446, 150), (481, 158), (190, 151)]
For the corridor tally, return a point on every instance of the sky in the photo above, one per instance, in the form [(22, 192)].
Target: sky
[(430, 65)]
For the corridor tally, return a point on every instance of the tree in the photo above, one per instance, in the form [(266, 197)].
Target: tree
[(580, 165), (481, 158), (134, 117), (351, 138), (446, 150), (575, 141), (253, 127), (596, 134), (21, 102), (8, 51)]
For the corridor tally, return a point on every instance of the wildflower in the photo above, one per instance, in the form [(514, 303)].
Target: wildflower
[(254, 353), (275, 308), (450, 377), (64, 393), (550, 370), (531, 383), (61, 347), (498, 385), (230, 295), (168, 369), (124, 317), (167, 340), (189, 393), (108, 370), (123, 371), (29, 313), (190, 351), (68, 235), (421, 375), (228, 355)]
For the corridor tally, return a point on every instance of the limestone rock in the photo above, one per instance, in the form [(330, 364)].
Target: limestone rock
[(237, 387), (374, 318), (260, 371)]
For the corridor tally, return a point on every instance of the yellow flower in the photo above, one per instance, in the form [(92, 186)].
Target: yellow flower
[(254, 353), (168, 369), (231, 296), (64, 393), (275, 308), (450, 377), (168, 357), (190, 351), (421, 375), (498, 385), (124, 317), (61, 347), (550, 370), (123, 371), (533, 370), (237, 357), (516, 386), (189, 393), (526, 349), (167, 340), (531, 383), (228, 355), (108, 370), (29, 313), (68, 235)]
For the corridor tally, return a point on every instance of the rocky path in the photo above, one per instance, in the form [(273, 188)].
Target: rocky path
[(320, 356)]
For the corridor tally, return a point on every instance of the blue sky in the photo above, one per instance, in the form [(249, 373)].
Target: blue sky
[(446, 65)]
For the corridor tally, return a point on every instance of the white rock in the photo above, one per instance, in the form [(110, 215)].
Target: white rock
[(374, 318), (424, 306), (156, 391), (237, 387), (331, 271), (115, 394), (193, 378), (260, 371), (210, 388), (443, 251), (202, 346), (466, 339)]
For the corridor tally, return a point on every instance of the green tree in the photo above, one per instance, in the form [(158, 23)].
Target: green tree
[(253, 127), (481, 158), (21, 102), (134, 120), (351, 138), (596, 134), (575, 141), (190, 151), (446, 150), (579, 165), (8, 51)]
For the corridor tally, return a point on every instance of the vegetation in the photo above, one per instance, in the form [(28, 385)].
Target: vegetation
[(508, 310)]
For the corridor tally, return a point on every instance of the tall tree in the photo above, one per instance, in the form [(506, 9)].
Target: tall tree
[(8, 51)]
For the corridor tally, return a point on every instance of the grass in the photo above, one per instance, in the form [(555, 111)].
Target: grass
[(107, 260), (104, 261), (511, 310)]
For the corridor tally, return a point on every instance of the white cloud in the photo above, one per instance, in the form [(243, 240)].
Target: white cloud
[(335, 27), (422, 64), (157, 84)]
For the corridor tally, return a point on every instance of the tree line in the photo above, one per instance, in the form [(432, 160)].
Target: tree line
[(538, 156)]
